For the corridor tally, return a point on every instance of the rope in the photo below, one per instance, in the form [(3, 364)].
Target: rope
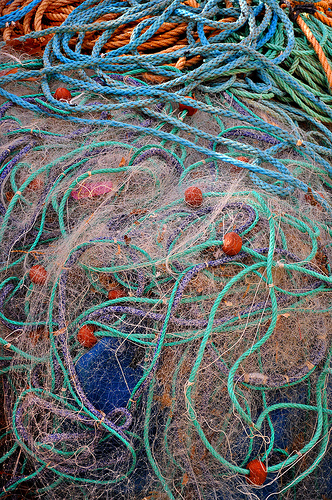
[(318, 49), (198, 334), (296, 9)]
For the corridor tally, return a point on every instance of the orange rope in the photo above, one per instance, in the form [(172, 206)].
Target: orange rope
[(324, 18), (13, 6), (168, 38), (321, 15), (35, 20), (317, 48)]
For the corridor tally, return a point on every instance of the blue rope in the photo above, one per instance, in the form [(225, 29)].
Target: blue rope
[(18, 14)]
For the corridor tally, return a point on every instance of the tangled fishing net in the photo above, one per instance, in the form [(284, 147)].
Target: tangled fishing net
[(165, 240)]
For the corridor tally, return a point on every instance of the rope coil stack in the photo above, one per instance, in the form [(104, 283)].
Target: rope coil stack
[(227, 50)]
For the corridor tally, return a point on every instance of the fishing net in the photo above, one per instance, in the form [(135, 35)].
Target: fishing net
[(165, 228), (143, 361)]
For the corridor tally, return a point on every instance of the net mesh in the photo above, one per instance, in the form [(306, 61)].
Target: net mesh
[(155, 343), (192, 361)]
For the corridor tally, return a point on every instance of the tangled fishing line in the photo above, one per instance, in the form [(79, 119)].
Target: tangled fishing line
[(165, 236)]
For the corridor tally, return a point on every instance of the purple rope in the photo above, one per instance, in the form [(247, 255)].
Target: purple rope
[(4, 108), (12, 147), (100, 315), (184, 282), (32, 100), (67, 357), (15, 160), (127, 79), (257, 135), (74, 416), (162, 154), (235, 105), (251, 215)]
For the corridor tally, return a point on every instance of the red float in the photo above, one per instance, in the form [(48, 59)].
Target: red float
[(86, 336), (62, 94), (38, 274), (116, 293), (232, 243), (193, 196), (257, 474), (183, 107), (235, 168)]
